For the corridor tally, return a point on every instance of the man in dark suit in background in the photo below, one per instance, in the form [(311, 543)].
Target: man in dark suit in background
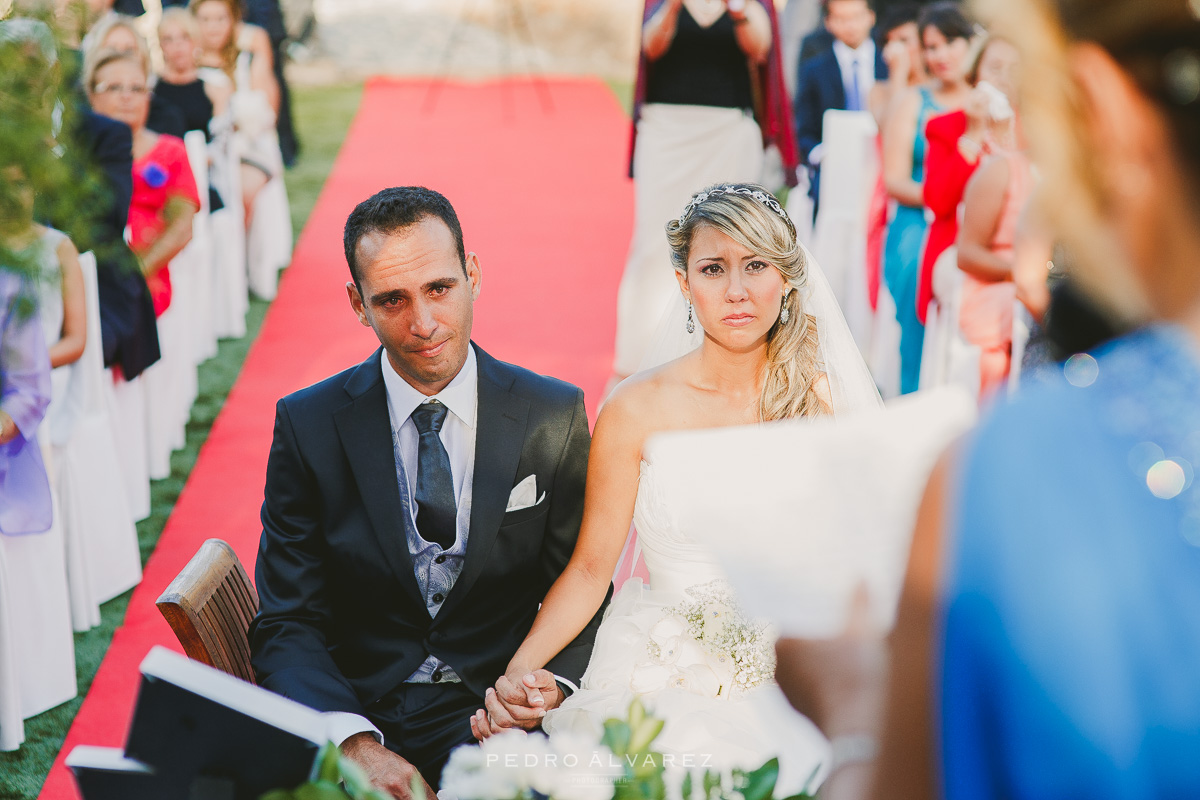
[(418, 507), (838, 79)]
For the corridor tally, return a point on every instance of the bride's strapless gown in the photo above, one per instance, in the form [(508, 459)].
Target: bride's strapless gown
[(700, 728)]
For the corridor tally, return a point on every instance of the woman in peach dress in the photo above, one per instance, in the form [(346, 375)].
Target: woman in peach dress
[(992, 207)]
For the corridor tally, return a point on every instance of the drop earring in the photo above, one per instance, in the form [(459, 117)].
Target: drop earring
[(691, 323), (784, 313)]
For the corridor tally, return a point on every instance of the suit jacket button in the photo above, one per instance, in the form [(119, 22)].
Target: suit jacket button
[(437, 676), (440, 559), (439, 597)]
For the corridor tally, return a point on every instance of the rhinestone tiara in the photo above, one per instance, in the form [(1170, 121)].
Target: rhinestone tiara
[(757, 194)]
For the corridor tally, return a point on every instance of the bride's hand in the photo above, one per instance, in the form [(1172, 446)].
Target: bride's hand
[(519, 701)]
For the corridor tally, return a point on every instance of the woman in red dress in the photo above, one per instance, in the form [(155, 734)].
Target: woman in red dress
[(164, 189), (957, 141)]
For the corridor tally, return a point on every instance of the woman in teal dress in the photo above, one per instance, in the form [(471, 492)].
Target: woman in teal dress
[(945, 35)]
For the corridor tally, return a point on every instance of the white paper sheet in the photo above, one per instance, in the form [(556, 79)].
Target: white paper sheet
[(800, 513)]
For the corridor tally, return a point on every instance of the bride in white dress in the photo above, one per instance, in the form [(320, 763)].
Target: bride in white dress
[(754, 351)]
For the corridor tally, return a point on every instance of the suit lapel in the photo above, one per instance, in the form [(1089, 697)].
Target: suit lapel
[(839, 86), (499, 439), (366, 433)]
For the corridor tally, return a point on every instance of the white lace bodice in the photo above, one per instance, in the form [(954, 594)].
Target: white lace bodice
[(674, 561)]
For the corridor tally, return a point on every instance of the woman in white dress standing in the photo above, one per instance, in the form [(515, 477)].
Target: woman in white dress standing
[(694, 126), (760, 358)]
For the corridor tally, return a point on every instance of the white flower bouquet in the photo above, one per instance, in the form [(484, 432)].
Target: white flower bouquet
[(706, 645)]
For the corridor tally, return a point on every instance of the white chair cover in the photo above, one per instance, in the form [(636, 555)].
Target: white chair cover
[(947, 358), (230, 300), (163, 391), (127, 414), (204, 337), (12, 725), (883, 357), (849, 174), (103, 559), (800, 207), (36, 591), (270, 235)]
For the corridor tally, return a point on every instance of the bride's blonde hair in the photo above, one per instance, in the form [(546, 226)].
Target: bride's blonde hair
[(748, 214)]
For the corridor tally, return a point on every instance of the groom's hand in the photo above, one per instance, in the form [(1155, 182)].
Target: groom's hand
[(519, 703), (386, 770)]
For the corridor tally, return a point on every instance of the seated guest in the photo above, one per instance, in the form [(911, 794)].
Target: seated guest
[(25, 503), (118, 33), (96, 145), (62, 304), (840, 79), (164, 189), (179, 83), (224, 42)]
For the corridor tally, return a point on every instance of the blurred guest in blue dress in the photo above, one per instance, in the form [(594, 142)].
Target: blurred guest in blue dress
[(1048, 636)]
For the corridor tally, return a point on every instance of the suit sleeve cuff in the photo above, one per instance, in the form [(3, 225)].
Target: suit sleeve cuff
[(341, 725), (568, 688)]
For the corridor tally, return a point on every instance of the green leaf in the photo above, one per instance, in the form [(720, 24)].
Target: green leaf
[(637, 713), (356, 780), (321, 790), (278, 794), (417, 787), (325, 767), (760, 783), (616, 736), (686, 789), (644, 734)]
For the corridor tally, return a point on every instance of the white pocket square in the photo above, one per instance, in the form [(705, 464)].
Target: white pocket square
[(524, 495)]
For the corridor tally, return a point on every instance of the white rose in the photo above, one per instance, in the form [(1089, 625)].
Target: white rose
[(649, 678)]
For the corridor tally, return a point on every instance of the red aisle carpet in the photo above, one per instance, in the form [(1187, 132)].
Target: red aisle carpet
[(544, 202)]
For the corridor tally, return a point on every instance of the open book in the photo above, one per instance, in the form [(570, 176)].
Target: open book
[(801, 513), (200, 733)]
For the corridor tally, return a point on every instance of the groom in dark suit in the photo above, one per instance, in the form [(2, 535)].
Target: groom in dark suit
[(418, 507)]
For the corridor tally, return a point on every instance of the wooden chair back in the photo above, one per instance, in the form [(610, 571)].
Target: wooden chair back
[(209, 605)]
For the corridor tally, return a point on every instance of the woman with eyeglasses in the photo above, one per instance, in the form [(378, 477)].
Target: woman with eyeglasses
[(164, 189)]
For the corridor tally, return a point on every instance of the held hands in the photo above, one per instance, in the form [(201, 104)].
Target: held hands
[(385, 769), (520, 700)]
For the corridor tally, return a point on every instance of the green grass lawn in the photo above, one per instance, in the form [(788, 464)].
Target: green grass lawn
[(322, 117)]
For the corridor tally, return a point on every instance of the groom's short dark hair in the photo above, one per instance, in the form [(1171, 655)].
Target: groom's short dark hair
[(396, 208)]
